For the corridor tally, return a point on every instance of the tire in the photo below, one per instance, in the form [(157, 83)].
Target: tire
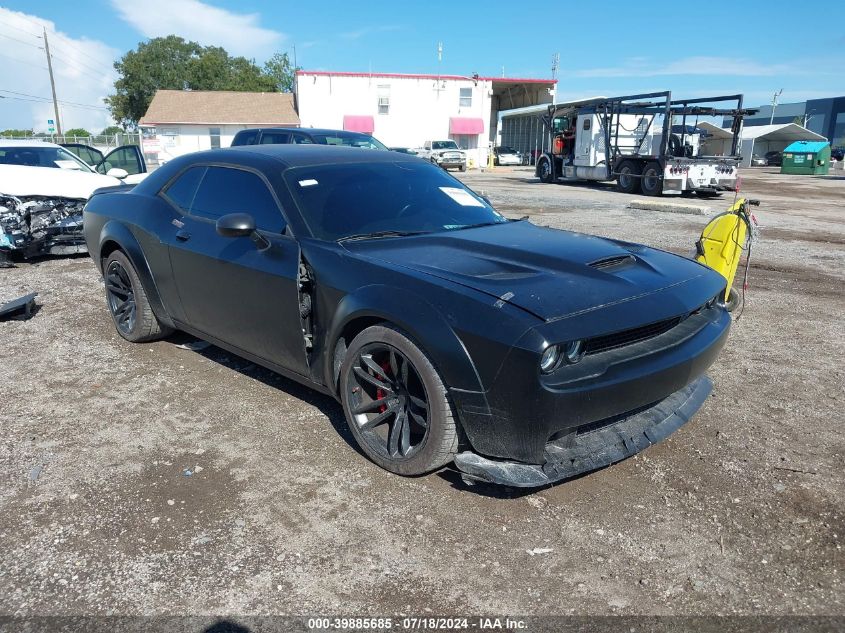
[(387, 382), (127, 302), (544, 170), (734, 300), (628, 181), (651, 183), (462, 168)]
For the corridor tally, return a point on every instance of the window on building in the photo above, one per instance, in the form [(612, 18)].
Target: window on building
[(384, 99), (214, 136), (466, 98), (465, 141)]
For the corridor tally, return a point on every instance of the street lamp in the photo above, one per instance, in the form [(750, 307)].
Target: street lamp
[(775, 104), (809, 115)]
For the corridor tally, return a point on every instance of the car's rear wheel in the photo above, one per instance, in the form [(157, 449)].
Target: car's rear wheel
[(127, 301), (650, 183), (396, 403)]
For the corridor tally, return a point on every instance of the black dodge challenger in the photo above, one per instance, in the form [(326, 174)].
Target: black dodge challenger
[(525, 355)]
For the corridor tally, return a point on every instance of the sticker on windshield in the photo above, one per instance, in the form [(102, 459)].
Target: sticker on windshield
[(462, 197), (308, 183)]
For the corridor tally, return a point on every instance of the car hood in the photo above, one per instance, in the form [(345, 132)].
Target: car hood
[(548, 272), (20, 180)]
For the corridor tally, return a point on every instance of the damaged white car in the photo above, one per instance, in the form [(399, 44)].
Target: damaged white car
[(43, 188)]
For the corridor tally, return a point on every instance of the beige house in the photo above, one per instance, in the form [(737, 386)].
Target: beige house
[(181, 121)]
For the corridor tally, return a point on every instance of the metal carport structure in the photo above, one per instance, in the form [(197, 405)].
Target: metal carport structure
[(754, 140)]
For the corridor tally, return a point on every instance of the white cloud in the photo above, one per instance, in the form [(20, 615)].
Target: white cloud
[(82, 69), (238, 33), (369, 30), (711, 66)]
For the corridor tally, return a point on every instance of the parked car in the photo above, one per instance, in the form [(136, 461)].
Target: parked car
[(524, 354), (504, 155), (759, 161), (445, 154), (837, 153), (43, 188), (305, 136), (404, 150), (774, 158)]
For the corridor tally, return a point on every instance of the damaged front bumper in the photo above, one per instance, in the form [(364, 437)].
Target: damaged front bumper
[(40, 225), (595, 445)]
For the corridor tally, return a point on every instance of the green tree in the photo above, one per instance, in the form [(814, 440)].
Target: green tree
[(279, 68), (16, 133), (112, 130), (172, 63), (77, 131)]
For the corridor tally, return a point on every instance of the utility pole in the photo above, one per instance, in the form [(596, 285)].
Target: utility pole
[(775, 104), (52, 84)]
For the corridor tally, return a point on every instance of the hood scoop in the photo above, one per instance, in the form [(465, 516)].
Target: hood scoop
[(614, 262)]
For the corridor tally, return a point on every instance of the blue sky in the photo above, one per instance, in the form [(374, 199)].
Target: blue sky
[(606, 48)]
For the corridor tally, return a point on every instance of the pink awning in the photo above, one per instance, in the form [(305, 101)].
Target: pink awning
[(465, 125), (357, 123)]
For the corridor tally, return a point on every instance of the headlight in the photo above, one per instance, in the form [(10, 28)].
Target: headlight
[(574, 351), (549, 359)]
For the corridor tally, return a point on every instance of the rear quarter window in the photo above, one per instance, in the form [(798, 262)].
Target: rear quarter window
[(182, 191)]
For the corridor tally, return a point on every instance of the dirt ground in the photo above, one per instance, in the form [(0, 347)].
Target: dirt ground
[(151, 479)]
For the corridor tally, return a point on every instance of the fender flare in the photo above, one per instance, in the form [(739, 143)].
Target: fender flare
[(416, 316), (119, 233)]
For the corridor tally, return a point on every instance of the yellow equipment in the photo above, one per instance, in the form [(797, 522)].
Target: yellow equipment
[(722, 242)]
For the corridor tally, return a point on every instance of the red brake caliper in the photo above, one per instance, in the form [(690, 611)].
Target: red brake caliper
[(380, 394)]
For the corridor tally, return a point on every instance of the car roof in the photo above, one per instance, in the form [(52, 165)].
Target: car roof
[(307, 130), (304, 155), (5, 142)]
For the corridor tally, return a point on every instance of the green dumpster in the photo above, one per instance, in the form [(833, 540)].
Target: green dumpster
[(806, 157)]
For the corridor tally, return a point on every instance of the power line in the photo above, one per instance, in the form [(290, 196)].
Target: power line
[(79, 50), (22, 30), (21, 41), (37, 99), (81, 63), (23, 61)]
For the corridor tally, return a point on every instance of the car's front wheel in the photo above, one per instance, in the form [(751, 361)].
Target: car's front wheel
[(396, 403), (127, 301)]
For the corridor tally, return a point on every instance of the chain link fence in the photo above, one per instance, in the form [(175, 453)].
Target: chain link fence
[(103, 142)]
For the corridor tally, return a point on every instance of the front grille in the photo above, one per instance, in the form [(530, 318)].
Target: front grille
[(627, 337)]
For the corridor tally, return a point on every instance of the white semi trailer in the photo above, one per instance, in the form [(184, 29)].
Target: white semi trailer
[(647, 143)]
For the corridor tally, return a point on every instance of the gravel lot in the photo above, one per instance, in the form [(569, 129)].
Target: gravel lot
[(741, 511)]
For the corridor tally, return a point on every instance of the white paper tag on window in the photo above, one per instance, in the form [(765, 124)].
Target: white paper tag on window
[(462, 197), (308, 183), (67, 164)]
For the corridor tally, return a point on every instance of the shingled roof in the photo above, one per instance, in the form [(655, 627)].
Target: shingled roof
[(211, 107)]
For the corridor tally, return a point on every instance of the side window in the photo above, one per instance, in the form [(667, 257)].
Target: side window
[(275, 138), (301, 139), (214, 137), (228, 190), (181, 191), (586, 125), (248, 137)]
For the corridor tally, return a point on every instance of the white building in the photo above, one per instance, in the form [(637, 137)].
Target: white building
[(407, 110), (181, 121)]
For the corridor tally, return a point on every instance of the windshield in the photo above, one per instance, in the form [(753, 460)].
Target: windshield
[(507, 150), (355, 199), (350, 140), (444, 145), (36, 156)]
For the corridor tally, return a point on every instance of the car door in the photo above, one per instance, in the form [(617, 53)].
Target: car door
[(128, 158), (91, 155), (231, 288)]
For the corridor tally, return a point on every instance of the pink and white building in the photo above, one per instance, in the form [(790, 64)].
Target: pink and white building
[(403, 110)]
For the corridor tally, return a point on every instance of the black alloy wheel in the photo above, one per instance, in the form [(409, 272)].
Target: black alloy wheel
[(395, 403), (388, 402), (121, 297), (128, 303)]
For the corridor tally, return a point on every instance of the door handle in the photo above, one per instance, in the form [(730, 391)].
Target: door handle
[(183, 236)]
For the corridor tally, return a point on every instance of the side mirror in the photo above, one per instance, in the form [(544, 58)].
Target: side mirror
[(117, 172), (236, 225)]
